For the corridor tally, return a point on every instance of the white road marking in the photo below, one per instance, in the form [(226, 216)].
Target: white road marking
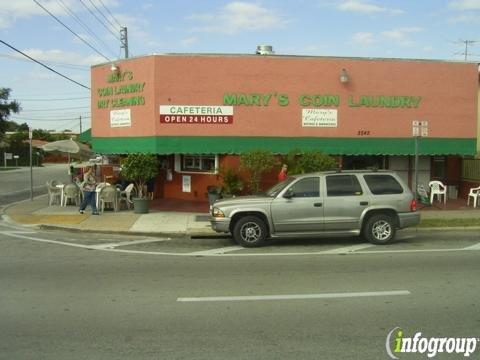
[(105, 247), (19, 235), (17, 229), (126, 243), (110, 247), (218, 251), (295, 296), (347, 249), (473, 247)]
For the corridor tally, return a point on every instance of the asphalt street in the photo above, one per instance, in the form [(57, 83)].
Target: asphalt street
[(15, 184), (76, 296)]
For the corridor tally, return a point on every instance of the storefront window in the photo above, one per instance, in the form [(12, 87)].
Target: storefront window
[(198, 163), (363, 162), (439, 167)]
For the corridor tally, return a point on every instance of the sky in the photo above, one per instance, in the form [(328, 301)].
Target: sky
[(76, 34)]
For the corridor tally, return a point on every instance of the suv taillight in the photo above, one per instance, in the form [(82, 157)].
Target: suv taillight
[(413, 205)]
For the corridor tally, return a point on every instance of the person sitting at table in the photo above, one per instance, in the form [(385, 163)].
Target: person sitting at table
[(121, 183), (89, 195)]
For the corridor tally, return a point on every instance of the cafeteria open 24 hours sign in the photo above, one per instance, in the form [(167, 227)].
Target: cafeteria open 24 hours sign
[(196, 114)]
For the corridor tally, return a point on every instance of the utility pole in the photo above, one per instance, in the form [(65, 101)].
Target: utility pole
[(124, 40), (80, 124), (30, 137), (467, 44)]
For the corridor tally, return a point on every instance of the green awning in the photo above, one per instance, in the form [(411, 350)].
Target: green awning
[(85, 136), (282, 145)]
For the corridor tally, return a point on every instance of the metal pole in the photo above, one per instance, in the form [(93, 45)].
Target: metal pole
[(124, 40), (31, 168), (415, 189)]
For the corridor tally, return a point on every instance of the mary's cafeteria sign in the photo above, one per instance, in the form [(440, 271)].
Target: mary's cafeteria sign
[(196, 114)]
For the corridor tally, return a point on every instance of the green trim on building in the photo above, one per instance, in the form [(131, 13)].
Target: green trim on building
[(86, 136), (281, 145)]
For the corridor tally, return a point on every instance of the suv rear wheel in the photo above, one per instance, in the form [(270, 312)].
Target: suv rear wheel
[(379, 229), (250, 231)]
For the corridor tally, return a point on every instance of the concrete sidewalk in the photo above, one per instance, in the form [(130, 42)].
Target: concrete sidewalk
[(165, 223), (38, 213)]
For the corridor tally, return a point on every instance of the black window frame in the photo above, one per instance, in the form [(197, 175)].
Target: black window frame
[(200, 167)]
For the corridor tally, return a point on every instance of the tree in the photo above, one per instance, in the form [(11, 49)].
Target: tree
[(302, 162), (6, 109), (44, 135), (257, 162)]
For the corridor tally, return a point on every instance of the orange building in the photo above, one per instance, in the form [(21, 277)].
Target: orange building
[(198, 112)]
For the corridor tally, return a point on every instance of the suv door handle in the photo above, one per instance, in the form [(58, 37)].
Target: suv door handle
[(317, 204), (363, 203)]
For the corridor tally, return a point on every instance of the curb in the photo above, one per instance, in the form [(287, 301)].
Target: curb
[(197, 234), (205, 234)]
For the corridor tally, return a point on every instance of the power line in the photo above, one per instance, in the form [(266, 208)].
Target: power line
[(101, 13), (58, 109), (73, 32), (45, 66), (99, 20), (85, 26), (67, 66), (111, 15), (65, 99), (47, 119), (467, 44), (123, 29), (67, 125)]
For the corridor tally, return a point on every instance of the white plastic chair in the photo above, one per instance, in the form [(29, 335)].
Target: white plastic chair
[(108, 195), (71, 191), (437, 188), (53, 192), (125, 196), (475, 194)]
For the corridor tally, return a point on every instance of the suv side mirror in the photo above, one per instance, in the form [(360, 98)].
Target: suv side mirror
[(288, 194)]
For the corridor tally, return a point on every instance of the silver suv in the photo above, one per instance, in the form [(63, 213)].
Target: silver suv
[(370, 203)]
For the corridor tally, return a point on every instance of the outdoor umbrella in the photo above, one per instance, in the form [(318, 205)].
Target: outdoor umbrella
[(71, 147)]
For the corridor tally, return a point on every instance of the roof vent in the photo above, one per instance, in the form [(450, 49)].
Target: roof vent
[(265, 50)]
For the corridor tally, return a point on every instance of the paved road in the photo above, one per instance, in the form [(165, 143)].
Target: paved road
[(15, 184), (68, 302)]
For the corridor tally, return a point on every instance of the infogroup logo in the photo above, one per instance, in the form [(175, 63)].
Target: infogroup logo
[(397, 344)]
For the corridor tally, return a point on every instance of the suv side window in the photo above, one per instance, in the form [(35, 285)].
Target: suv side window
[(308, 187), (383, 184), (343, 185)]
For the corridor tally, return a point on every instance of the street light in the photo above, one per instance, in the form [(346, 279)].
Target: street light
[(344, 78)]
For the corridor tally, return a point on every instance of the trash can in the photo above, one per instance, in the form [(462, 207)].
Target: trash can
[(213, 194), (452, 192)]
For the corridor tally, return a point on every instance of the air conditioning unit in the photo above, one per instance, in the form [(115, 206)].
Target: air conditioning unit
[(265, 50)]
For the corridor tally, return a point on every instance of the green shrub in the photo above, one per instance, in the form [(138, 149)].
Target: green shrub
[(257, 162)]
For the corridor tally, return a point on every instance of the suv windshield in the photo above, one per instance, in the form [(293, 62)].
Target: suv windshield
[(277, 188)]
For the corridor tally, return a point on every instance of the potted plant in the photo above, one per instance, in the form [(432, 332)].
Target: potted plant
[(140, 168)]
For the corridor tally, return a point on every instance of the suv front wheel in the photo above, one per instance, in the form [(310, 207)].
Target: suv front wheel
[(379, 229), (250, 231)]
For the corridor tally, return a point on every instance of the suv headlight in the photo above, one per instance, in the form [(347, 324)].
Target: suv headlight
[(216, 212)]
